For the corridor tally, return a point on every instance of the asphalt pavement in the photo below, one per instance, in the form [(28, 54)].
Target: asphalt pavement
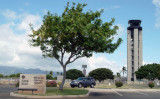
[(100, 94)]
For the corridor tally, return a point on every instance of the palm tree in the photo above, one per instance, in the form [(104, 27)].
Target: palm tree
[(118, 75), (51, 72), (57, 73), (124, 70)]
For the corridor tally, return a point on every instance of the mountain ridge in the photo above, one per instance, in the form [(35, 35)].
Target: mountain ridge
[(8, 70)]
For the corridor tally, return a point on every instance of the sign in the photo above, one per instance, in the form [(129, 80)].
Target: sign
[(84, 66), (33, 81)]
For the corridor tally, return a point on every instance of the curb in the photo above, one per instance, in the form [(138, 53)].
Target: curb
[(58, 96)]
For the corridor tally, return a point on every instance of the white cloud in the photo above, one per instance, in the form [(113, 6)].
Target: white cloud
[(121, 53), (103, 62), (145, 63), (157, 24), (27, 19), (110, 8), (114, 7), (45, 11), (96, 62), (26, 4), (9, 14), (121, 31), (157, 14), (156, 3), (15, 50)]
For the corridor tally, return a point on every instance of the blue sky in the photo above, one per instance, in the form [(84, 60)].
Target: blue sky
[(15, 15)]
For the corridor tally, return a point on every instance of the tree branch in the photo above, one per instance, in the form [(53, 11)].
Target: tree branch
[(62, 52), (59, 62), (74, 59), (69, 58)]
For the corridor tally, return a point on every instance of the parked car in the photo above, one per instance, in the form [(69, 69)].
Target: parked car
[(83, 82)]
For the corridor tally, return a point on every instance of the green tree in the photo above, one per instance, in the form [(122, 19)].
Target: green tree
[(51, 72), (75, 34), (57, 73), (15, 75), (124, 70), (12, 75), (74, 74), (101, 74), (149, 71), (48, 76), (119, 76), (18, 74), (1, 75)]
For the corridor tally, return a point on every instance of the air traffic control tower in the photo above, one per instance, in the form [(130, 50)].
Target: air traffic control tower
[(134, 49)]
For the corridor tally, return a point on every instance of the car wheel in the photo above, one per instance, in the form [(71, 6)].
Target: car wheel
[(72, 86), (92, 86), (79, 85)]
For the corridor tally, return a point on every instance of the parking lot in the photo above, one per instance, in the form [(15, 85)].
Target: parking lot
[(127, 94), (99, 93)]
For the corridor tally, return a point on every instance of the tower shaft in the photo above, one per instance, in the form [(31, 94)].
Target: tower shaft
[(134, 49)]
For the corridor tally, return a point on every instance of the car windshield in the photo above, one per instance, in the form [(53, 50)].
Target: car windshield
[(81, 78)]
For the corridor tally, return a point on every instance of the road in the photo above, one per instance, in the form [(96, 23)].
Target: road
[(5, 90)]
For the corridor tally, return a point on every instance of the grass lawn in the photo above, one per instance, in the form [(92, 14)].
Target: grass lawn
[(53, 91), (66, 91)]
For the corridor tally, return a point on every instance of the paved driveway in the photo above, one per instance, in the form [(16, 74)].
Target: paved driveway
[(125, 95), (98, 94), (5, 92)]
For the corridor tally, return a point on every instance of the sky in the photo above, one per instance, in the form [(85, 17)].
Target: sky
[(16, 15)]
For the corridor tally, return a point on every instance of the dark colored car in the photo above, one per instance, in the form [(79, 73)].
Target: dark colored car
[(83, 82)]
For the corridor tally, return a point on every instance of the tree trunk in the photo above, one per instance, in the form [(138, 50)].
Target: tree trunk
[(123, 77), (64, 77)]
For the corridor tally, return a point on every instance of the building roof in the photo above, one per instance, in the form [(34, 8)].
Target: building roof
[(134, 24)]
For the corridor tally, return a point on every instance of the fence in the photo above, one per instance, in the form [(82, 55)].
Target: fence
[(9, 81)]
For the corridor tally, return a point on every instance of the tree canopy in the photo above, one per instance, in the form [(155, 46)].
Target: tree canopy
[(49, 76), (101, 74), (75, 34), (149, 71), (1, 75), (15, 75), (74, 74)]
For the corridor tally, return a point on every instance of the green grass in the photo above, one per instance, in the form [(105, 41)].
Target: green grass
[(54, 91), (66, 91)]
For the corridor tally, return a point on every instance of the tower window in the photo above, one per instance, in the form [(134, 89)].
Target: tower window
[(132, 63), (132, 52)]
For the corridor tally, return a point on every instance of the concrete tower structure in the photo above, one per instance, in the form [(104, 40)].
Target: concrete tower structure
[(134, 48)]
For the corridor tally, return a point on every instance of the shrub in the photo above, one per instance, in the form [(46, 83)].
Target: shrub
[(119, 84), (17, 84), (55, 78), (51, 83), (151, 84)]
